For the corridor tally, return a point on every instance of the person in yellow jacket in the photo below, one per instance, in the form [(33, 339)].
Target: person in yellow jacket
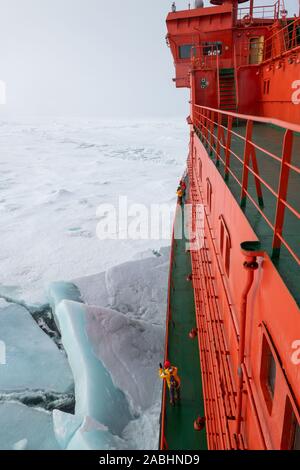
[(180, 195), (170, 374)]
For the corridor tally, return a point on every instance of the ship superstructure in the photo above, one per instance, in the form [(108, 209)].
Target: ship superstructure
[(241, 63)]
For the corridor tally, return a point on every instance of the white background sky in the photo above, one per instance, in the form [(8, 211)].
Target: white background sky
[(89, 57)]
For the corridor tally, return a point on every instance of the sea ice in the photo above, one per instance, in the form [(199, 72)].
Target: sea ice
[(33, 362), (131, 351), (96, 395), (140, 160), (65, 425), (3, 303), (21, 445), (58, 291), (137, 288), (73, 433), (25, 428), (114, 357), (143, 432), (96, 437), (56, 172)]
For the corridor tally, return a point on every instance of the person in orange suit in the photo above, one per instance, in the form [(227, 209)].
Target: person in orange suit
[(170, 374)]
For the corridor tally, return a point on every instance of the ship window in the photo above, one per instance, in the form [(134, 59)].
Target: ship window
[(227, 256), (225, 244), (212, 48), (268, 48), (268, 374), (266, 87), (291, 429), (200, 169), (209, 193), (221, 237), (186, 51)]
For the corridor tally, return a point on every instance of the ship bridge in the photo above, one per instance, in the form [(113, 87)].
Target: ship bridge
[(221, 51)]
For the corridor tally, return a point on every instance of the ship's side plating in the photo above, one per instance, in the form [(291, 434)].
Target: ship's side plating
[(243, 167)]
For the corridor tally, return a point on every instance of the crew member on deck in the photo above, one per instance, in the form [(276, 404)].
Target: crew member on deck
[(170, 374), (183, 185), (180, 195)]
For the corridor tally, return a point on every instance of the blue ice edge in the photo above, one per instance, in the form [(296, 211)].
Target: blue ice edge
[(58, 291), (96, 395)]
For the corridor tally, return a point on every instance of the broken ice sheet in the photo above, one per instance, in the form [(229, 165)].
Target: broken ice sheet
[(25, 428), (33, 361)]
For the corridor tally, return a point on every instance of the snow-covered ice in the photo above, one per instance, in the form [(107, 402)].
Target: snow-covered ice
[(54, 173), (114, 354), (131, 351), (136, 288), (92, 436)]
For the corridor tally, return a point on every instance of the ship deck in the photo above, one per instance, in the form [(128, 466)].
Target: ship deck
[(270, 138), (184, 354)]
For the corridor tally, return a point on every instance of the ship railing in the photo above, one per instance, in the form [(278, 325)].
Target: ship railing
[(284, 41), (232, 141), (261, 12)]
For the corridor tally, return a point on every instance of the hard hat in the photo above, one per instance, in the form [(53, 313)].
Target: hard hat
[(193, 333), (167, 364)]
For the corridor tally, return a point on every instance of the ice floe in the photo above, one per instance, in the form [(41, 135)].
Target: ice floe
[(136, 288), (24, 428), (33, 361), (54, 174), (114, 355)]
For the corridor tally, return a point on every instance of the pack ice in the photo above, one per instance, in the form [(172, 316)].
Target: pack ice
[(31, 367), (114, 338)]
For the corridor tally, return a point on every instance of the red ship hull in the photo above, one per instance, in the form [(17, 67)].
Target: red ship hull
[(243, 169)]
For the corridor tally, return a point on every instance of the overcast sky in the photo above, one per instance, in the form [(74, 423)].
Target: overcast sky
[(89, 57)]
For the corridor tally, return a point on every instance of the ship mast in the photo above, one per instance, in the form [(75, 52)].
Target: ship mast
[(235, 4)]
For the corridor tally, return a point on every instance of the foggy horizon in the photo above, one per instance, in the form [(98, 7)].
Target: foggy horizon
[(76, 58)]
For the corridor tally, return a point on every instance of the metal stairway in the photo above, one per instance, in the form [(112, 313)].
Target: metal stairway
[(227, 90)]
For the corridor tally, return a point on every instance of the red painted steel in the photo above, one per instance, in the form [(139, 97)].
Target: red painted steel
[(217, 299), (282, 192), (264, 55), (163, 442), (248, 321), (274, 46), (207, 119), (260, 12)]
